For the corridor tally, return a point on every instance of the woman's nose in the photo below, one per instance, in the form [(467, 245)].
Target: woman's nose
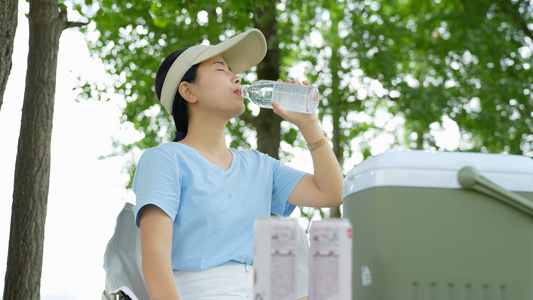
[(237, 79)]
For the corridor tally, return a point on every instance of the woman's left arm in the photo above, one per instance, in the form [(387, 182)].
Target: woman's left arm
[(323, 188)]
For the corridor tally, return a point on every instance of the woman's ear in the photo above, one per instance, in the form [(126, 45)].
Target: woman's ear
[(186, 91)]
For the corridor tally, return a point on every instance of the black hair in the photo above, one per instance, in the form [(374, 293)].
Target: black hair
[(180, 111)]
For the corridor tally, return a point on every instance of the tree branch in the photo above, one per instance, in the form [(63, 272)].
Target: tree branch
[(68, 24), (527, 31), (76, 24), (511, 9), (465, 6)]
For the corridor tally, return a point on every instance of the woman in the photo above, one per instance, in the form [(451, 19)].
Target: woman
[(196, 199)]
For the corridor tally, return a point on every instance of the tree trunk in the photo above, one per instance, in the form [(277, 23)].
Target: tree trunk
[(8, 21), (32, 169), (267, 123)]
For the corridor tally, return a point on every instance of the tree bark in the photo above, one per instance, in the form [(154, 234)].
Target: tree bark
[(8, 21), (32, 168), (267, 123)]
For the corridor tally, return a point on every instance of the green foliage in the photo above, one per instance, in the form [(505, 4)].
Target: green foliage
[(468, 60), (417, 60)]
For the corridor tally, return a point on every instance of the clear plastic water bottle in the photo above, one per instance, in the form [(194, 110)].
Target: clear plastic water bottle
[(289, 96)]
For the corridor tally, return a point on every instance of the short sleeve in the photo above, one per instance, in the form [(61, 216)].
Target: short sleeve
[(285, 180), (157, 182)]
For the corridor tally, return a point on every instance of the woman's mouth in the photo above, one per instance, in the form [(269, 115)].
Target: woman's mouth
[(238, 92)]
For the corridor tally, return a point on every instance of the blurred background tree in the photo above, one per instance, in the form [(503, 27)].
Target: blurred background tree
[(469, 61), (393, 69)]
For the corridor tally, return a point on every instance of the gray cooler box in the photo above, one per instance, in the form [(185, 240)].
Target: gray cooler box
[(441, 225)]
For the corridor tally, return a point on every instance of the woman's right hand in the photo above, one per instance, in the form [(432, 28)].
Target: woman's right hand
[(296, 118)]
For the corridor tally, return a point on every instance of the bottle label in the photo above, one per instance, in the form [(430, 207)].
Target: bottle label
[(293, 97)]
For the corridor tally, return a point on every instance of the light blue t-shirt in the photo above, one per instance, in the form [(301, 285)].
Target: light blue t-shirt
[(213, 210)]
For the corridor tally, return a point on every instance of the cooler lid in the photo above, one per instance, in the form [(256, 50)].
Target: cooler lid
[(416, 168)]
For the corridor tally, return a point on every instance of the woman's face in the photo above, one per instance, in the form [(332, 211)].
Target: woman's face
[(215, 88)]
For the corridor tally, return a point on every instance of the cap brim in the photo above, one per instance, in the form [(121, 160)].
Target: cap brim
[(241, 52)]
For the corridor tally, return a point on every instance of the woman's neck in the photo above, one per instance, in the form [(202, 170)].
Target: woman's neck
[(210, 142), (206, 137)]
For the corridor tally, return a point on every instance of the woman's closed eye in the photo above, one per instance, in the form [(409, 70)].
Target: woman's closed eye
[(221, 66)]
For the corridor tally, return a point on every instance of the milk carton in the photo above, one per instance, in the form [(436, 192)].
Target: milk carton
[(275, 259), (330, 260)]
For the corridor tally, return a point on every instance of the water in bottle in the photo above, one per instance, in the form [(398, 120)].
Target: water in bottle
[(289, 96)]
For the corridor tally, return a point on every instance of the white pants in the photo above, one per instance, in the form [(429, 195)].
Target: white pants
[(230, 281)]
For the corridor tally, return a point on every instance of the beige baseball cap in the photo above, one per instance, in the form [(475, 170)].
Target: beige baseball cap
[(241, 52)]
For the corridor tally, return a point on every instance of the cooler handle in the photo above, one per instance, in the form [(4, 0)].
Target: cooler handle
[(469, 178)]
